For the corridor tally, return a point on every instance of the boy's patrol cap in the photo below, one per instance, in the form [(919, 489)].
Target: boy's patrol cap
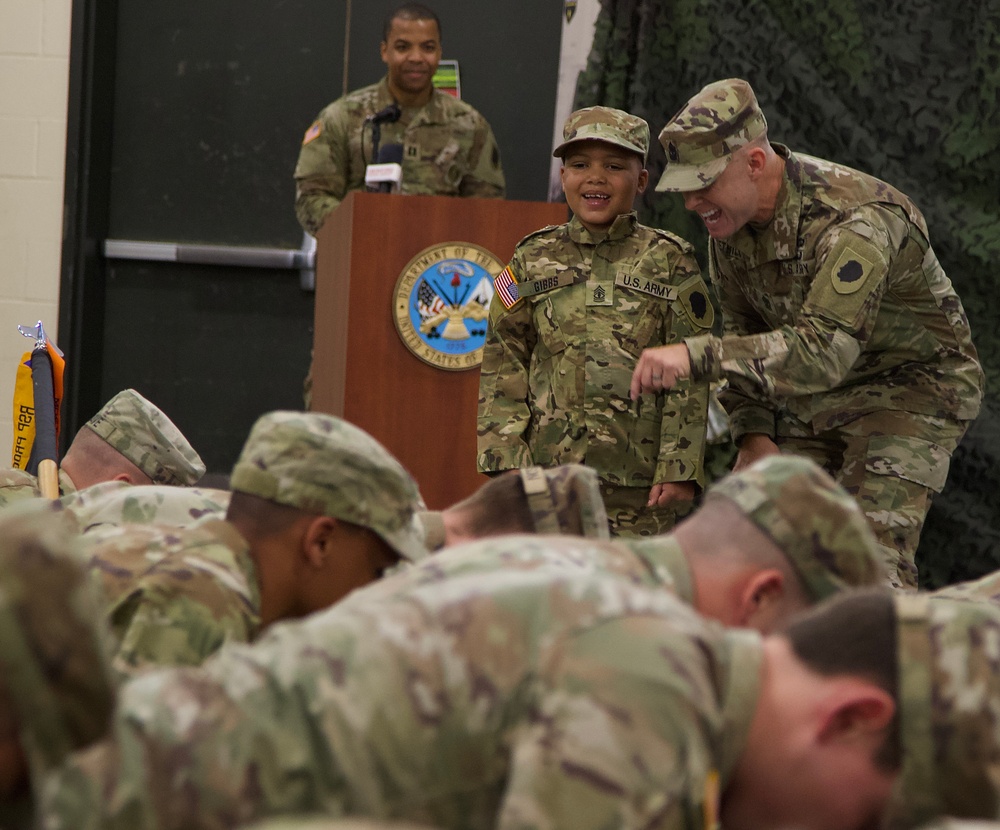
[(608, 125), (324, 465), (948, 691), (566, 500), (52, 658), (699, 141), (817, 524), (147, 438)]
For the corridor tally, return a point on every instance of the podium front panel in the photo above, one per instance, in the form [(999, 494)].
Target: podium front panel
[(362, 371)]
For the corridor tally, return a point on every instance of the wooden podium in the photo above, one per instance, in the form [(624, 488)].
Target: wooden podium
[(362, 371)]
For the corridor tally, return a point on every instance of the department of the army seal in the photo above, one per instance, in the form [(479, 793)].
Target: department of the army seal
[(441, 304)]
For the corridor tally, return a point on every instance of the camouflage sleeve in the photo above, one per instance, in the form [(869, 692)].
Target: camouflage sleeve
[(270, 729), (618, 740), (747, 409), (178, 618), (17, 485), (833, 327), (504, 414), (320, 173), (684, 427), (485, 178)]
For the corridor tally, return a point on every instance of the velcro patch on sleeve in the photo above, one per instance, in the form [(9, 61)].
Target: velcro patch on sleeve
[(693, 297), (846, 278), (851, 270), (312, 133), (505, 286)]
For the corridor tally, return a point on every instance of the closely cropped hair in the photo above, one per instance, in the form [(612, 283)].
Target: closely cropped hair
[(854, 634), (498, 507), (409, 11), (259, 516), (102, 461)]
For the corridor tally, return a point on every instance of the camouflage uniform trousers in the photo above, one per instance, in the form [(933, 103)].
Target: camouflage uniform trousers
[(629, 516), (892, 463)]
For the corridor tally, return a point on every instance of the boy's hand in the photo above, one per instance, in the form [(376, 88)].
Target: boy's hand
[(753, 447), (660, 368), (660, 495)]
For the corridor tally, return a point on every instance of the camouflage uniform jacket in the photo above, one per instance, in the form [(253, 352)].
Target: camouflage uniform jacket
[(508, 698), (656, 562), (18, 484), (841, 308), (116, 503), (448, 150), (557, 364), (173, 596)]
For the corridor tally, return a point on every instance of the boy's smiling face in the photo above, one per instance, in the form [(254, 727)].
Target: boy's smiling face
[(601, 181)]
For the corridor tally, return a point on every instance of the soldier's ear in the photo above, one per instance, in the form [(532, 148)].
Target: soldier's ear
[(317, 540), (855, 710), (761, 599), (756, 160)]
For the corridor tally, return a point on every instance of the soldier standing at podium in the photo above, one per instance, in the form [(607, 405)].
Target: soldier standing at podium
[(572, 312), (448, 147)]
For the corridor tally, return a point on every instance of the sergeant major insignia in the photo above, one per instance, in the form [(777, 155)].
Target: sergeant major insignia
[(441, 304)]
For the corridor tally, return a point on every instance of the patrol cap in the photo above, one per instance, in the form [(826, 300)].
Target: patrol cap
[(700, 139), (816, 523), (566, 500), (608, 125), (52, 661), (948, 651), (147, 438), (324, 465)]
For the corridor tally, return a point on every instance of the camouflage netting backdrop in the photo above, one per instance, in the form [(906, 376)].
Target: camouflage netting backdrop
[(908, 90)]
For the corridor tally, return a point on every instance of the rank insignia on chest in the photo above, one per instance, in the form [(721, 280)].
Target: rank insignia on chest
[(599, 294)]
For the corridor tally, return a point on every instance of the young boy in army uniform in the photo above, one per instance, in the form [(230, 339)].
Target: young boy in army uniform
[(573, 311)]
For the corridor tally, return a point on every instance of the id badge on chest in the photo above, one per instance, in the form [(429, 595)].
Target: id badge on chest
[(600, 294)]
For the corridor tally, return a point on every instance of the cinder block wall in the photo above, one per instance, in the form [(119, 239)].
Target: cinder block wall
[(34, 66)]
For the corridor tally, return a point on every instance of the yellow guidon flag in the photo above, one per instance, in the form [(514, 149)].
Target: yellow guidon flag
[(38, 391)]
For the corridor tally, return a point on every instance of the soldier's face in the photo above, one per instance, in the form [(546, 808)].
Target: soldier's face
[(728, 203), (411, 54), (601, 182)]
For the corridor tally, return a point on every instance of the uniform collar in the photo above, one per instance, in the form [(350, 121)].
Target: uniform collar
[(665, 558), (740, 694), (784, 226), (228, 536), (66, 484), (621, 228), (430, 113)]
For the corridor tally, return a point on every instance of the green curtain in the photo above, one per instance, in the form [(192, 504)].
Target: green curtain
[(908, 91)]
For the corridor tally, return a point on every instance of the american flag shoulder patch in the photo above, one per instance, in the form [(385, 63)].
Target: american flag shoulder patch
[(313, 132), (505, 286)]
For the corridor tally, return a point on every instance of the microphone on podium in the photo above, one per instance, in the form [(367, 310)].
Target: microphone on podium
[(388, 115), (385, 175)]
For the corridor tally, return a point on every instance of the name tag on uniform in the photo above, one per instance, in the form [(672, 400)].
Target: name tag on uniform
[(646, 286), (795, 268), (600, 294), (529, 288)]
